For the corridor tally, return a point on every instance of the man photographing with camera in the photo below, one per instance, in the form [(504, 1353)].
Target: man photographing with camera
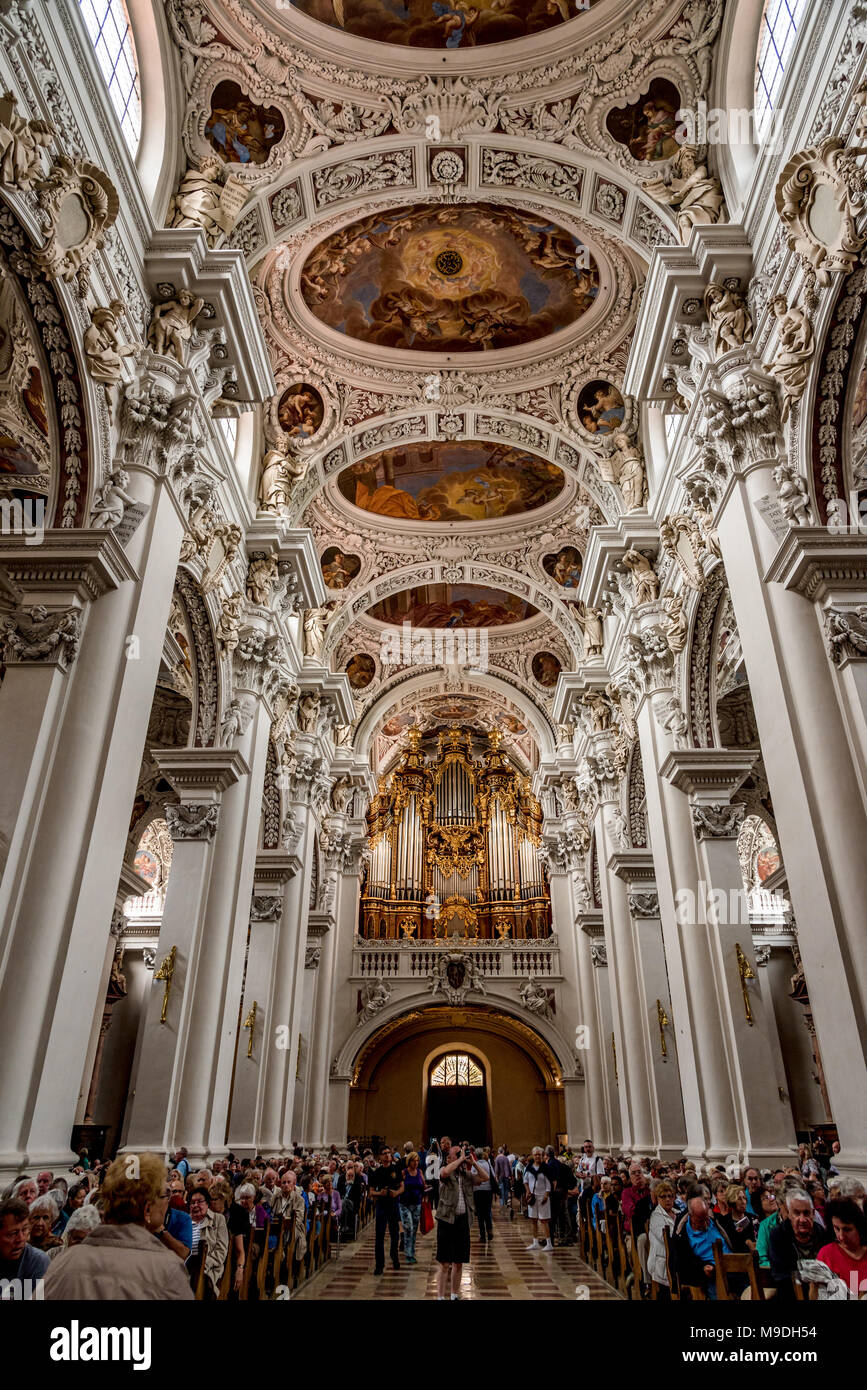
[(459, 1175)]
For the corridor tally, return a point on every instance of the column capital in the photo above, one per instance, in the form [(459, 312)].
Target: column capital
[(266, 907), (717, 821), (643, 904), (201, 774), (193, 820), (708, 775)]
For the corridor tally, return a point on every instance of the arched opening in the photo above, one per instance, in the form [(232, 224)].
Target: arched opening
[(393, 1096), (457, 1102)]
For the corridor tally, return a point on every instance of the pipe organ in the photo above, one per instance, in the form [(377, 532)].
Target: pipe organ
[(453, 847)]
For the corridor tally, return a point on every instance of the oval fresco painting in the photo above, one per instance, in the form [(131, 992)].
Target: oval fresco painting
[(300, 411), (240, 131), (396, 724), (647, 126), (361, 669), (447, 24), (452, 606), (565, 567), (546, 669), (450, 279), (451, 482), (601, 408), (339, 569)]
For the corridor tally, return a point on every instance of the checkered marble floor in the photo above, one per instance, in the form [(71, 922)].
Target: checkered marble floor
[(504, 1269)]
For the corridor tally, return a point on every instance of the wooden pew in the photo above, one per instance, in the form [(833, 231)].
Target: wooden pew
[(726, 1263)]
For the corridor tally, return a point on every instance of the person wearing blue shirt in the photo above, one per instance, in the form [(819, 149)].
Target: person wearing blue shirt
[(694, 1242)]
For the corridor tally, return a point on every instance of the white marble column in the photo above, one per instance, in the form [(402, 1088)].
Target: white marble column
[(709, 777), (338, 913), (593, 1054), (569, 1014), (257, 1035), (82, 766), (281, 1056), (708, 1102), (635, 868), (175, 1012), (634, 1070), (815, 779)]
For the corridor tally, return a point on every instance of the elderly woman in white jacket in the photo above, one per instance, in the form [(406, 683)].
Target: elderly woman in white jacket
[(661, 1218), (537, 1187)]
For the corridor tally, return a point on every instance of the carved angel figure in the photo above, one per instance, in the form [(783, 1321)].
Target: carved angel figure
[(171, 326), (110, 501), (729, 318), (676, 628), (316, 622), (197, 202), (674, 721), (21, 143), (275, 481), (534, 998), (376, 996), (261, 575), (645, 582), (229, 622), (793, 494), (620, 830), (625, 468), (33, 634), (792, 362), (103, 352), (709, 534), (589, 619), (236, 720), (598, 709), (688, 187), (308, 712)]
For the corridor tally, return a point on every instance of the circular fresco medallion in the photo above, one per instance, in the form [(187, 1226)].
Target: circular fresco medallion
[(546, 668), (647, 127), (339, 569), (301, 411), (361, 669), (601, 408)]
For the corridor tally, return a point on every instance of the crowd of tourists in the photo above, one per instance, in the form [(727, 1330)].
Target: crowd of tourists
[(142, 1228)]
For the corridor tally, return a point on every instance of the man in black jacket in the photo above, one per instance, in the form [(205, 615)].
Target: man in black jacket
[(386, 1185), (796, 1237)]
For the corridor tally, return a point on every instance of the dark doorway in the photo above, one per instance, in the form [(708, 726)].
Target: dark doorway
[(457, 1099)]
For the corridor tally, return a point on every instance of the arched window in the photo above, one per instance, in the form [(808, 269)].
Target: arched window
[(457, 1069), (111, 35), (780, 23)]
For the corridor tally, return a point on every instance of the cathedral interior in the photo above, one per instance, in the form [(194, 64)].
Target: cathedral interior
[(433, 594)]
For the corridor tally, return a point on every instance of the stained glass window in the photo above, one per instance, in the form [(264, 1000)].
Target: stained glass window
[(457, 1069), (111, 35), (780, 23)]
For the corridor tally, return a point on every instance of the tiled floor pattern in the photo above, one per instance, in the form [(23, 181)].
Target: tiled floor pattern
[(504, 1269)]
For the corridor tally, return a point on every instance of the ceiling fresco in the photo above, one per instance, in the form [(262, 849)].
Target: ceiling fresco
[(450, 279), (452, 606), (469, 481), (447, 24)]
